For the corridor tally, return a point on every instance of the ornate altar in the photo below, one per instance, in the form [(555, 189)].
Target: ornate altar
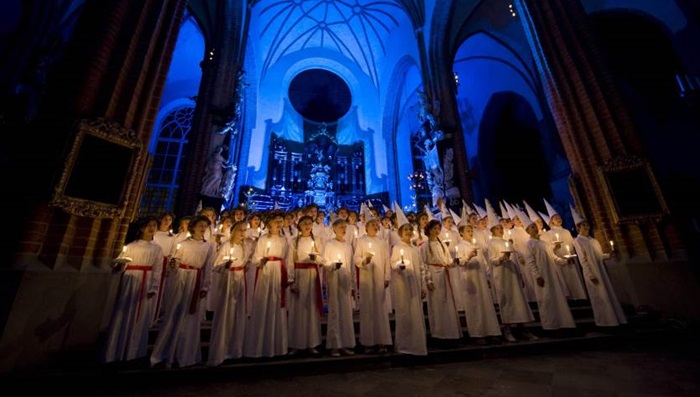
[(318, 170)]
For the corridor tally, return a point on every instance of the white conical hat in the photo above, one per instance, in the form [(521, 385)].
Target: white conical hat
[(369, 216), (401, 217), (531, 213), (455, 218), (444, 211), (385, 208), (480, 210), (550, 210), (545, 218), (369, 204), (577, 217), (526, 221), (493, 218), (428, 212), (465, 212), (512, 213), (504, 212)]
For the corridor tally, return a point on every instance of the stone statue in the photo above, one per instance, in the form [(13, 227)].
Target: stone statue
[(214, 173)]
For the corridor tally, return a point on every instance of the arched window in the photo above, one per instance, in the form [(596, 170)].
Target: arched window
[(168, 158)]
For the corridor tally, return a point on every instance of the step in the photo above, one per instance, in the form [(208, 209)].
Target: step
[(75, 369)]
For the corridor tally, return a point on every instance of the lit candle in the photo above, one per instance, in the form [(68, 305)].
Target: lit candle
[(507, 246), (401, 252), (355, 233), (474, 241), (490, 236), (259, 231), (612, 245), (510, 233), (124, 249), (189, 234), (221, 228), (177, 247), (171, 231), (457, 250), (338, 257), (230, 251), (556, 236), (313, 246), (267, 251), (568, 249), (370, 246)]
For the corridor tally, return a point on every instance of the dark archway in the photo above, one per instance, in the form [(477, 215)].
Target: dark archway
[(512, 165)]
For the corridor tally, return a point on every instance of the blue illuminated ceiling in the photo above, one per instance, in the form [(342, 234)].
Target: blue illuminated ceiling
[(358, 29)]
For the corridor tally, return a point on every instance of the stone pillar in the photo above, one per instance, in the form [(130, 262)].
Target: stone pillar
[(225, 43), (113, 69), (595, 126)]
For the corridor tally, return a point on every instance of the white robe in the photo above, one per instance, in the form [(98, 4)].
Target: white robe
[(520, 239), (454, 238), (409, 284), (229, 325), (479, 309), (304, 313), (266, 335), (551, 301), (570, 272), (507, 280), (179, 338), (340, 330), (607, 311), (443, 316), (127, 336), (374, 318), (167, 242)]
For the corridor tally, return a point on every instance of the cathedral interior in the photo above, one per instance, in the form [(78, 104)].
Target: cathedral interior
[(111, 110)]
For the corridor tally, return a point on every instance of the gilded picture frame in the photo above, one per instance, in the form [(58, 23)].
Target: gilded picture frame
[(634, 191), (99, 171)]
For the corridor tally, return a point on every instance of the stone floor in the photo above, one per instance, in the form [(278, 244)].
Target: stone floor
[(657, 364)]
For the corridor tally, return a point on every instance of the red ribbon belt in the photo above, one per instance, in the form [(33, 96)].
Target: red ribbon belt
[(142, 287), (166, 261), (284, 283), (197, 286), (245, 283), (319, 297), (448, 282)]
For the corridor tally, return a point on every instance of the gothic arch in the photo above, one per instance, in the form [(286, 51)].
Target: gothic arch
[(511, 162), (397, 135)]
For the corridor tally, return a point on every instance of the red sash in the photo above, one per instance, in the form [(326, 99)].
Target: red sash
[(319, 298), (166, 261), (448, 282), (197, 286), (284, 283), (142, 288)]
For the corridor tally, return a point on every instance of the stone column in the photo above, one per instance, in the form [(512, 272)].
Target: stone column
[(113, 69), (225, 43), (595, 126)]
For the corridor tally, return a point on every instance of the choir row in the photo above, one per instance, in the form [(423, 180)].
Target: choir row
[(263, 282)]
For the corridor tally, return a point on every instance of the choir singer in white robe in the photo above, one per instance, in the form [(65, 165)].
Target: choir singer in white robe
[(179, 339), (229, 325), (372, 258), (266, 334), (340, 276), (408, 280), (551, 300), (142, 264), (479, 310), (607, 311), (305, 300)]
